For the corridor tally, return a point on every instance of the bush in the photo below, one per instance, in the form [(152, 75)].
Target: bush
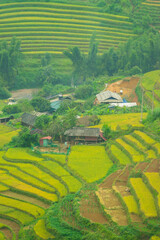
[(4, 93), (40, 104), (11, 109), (42, 122), (135, 70), (84, 92)]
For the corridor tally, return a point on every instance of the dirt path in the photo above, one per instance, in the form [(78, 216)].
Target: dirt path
[(108, 182)]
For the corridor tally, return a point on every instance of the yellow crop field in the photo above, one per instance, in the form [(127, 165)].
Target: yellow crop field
[(15, 183), (41, 231), (57, 157), (121, 120), (73, 184), (3, 188), (134, 140), (22, 217), (36, 172), (136, 156), (155, 238), (151, 154), (154, 180), (27, 178), (55, 168), (120, 155), (6, 134), (146, 200), (21, 154), (31, 209), (131, 204), (145, 137), (2, 237), (90, 162)]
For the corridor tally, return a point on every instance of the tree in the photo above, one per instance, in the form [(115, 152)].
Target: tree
[(24, 139), (42, 122), (84, 92), (4, 93), (40, 104), (11, 109)]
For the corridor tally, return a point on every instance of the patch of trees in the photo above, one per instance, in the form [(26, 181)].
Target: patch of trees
[(138, 55), (9, 60)]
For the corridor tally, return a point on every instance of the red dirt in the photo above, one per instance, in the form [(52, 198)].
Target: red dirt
[(108, 182), (26, 198), (154, 166), (14, 226), (128, 86), (91, 209)]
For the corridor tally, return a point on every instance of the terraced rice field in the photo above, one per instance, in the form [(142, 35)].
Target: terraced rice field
[(122, 121), (90, 162), (152, 9), (150, 82), (6, 134), (53, 27)]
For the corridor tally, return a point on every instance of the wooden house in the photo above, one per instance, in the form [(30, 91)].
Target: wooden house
[(28, 120), (83, 135)]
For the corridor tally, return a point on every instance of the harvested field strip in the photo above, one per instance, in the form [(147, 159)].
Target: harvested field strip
[(14, 227), (120, 155), (36, 172), (154, 180), (29, 208), (73, 184), (20, 154), (22, 176), (25, 198), (7, 232), (136, 156), (146, 200), (145, 137), (131, 204), (62, 24), (41, 231), (90, 162), (12, 182)]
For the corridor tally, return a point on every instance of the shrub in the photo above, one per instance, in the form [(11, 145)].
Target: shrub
[(10, 109), (4, 93), (40, 104), (84, 92)]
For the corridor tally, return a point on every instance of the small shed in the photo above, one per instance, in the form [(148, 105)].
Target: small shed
[(55, 105), (6, 119), (45, 141)]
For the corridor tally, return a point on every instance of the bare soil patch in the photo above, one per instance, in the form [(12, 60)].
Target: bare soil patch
[(13, 225), (7, 233), (122, 179), (108, 182), (141, 166), (135, 218), (128, 85), (91, 209), (26, 198), (112, 206), (24, 93), (154, 166)]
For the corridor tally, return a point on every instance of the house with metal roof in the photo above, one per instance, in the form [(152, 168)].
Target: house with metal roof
[(108, 97)]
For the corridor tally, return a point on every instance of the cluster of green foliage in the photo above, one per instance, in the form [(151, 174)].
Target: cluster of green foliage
[(24, 139), (4, 93), (40, 104)]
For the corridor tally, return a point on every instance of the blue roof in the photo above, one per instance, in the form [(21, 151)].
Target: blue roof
[(55, 105)]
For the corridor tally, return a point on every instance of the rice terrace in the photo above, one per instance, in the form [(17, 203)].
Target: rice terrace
[(80, 120)]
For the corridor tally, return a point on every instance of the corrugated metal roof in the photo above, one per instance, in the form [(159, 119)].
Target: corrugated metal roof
[(108, 97), (83, 132), (55, 105)]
